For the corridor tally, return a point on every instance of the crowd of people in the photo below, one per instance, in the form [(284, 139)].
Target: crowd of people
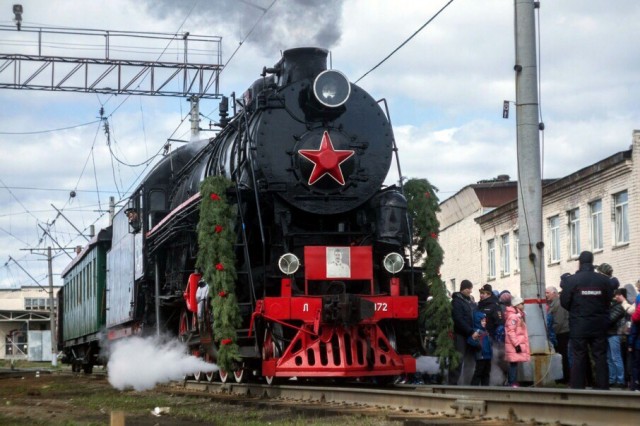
[(590, 321)]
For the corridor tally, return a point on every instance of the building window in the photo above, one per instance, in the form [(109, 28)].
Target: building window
[(505, 254), (595, 210), (620, 202), (38, 303), (491, 245), (16, 344), (516, 250), (574, 232), (554, 237)]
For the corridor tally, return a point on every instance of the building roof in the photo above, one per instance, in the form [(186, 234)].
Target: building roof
[(550, 186), (104, 235), (474, 198)]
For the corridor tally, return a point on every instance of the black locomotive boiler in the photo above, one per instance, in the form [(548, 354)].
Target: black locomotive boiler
[(323, 285)]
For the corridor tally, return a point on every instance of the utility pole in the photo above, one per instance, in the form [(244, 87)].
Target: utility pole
[(52, 315), (52, 310), (531, 245), (195, 117)]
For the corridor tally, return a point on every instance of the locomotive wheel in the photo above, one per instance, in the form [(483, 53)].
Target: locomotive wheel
[(184, 323), (224, 376), (240, 375), (211, 375), (271, 348), (198, 375)]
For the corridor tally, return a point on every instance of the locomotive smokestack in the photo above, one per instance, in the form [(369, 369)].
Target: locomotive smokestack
[(302, 63)]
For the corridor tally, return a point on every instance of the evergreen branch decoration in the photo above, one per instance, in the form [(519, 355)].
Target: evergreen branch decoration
[(216, 260), (423, 204)]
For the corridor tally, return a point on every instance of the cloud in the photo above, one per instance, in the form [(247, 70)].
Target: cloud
[(444, 90)]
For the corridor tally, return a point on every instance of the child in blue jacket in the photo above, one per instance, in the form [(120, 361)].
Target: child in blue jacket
[(484, 352)]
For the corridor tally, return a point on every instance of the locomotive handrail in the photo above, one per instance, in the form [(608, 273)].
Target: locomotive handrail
[(400, 179), (239, 145), (247, 149), (393, 141), (195, 197)]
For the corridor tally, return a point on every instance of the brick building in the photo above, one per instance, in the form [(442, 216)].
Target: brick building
[(595, 209)]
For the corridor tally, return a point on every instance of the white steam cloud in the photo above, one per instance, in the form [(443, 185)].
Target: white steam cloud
[(427, 365), (142, 363)]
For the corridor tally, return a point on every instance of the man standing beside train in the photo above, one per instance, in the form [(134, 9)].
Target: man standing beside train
[(462, 308), (587, 296)]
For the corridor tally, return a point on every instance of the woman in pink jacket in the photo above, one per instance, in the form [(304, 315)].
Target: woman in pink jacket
[(516, 343)]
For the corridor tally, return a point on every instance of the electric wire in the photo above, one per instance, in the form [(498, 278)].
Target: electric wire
[(36, 132), (95, 176), (84, 167), (405, 42), (240, 44), (264, 12), (16, 198), (33, 188)]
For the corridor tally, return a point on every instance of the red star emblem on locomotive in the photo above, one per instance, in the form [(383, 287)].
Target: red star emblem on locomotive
[(326, 160)]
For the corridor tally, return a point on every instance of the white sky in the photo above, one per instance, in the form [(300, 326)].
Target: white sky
[(444, 88)]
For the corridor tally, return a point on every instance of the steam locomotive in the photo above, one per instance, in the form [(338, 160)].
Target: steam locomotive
[(324, 282)]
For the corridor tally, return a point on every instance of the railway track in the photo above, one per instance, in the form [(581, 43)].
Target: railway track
[(450, 404)]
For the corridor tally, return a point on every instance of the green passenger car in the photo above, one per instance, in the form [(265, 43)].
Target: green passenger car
[(83, 307)]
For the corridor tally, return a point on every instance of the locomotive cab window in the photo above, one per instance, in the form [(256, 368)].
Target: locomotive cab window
[(157, 207), (133, 215)]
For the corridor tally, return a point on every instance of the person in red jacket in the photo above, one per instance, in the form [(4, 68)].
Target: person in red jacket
[(516, 342)]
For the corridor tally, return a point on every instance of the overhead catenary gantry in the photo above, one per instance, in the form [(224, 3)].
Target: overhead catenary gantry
[(109, 62)]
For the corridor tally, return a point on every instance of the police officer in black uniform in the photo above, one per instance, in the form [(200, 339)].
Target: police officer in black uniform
[(587, 296)]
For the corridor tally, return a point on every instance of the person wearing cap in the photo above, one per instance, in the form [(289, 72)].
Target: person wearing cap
[(483, 349), (516, 342), (490, 306), (462, 308), (607, 270), (587, 296), (560, 327), (134, 221)]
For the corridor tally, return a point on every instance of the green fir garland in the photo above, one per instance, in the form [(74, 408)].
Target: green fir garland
[(216, 261), (423, 204)]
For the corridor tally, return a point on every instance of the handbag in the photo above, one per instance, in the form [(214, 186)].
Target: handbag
[(636, 315)]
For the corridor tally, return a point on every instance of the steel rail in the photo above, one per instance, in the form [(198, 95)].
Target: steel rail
[(542, 405)]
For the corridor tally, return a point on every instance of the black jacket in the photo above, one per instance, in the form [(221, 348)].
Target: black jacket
[(587, 296), (617, 318), (491, 308), (462, 312)]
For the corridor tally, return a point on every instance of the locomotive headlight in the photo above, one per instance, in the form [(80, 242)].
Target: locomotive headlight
[(288, 263), (331, 88), (393, 263)]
